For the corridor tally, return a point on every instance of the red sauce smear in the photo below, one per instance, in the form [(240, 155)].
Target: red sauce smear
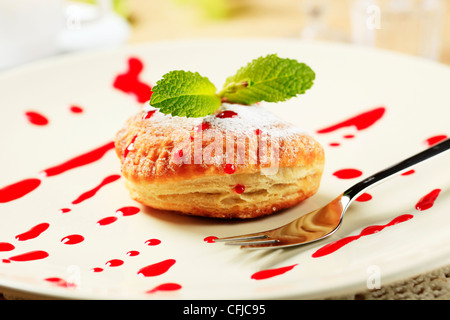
[(72, 239), (336, 245), (30, 256), (427, 201), (36, 118), (129, 82), (361, 121), (347, 173), (270, 273), (165, 287), (5, 246), (18, 190), (33, 232), (81, 160), (157, 268), (91, 193)]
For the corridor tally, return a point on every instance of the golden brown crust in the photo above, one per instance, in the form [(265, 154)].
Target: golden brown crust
[(158, 152), (216, 196)]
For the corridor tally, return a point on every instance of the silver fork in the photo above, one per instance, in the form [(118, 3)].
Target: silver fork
[(323, 222)]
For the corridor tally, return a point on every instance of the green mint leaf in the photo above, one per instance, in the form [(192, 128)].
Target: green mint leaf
[(270, 79), (185, 94)]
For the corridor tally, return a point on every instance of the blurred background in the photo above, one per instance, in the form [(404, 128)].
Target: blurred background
[(34, 29)]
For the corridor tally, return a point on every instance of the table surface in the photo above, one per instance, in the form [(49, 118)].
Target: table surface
[(163, 20), (176, 20)]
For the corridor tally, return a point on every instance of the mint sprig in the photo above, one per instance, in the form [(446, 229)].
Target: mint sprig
[(185, 94), (269, 78)]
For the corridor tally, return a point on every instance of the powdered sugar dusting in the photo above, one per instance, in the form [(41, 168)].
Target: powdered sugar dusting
[(246, 122)]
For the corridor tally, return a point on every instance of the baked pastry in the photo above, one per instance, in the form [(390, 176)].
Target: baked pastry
[(240, 162)]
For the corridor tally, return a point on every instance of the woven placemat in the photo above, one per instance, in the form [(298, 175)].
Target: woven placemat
[(433, 285)]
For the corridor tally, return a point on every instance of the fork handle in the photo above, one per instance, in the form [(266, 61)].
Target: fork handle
[(380, 176)]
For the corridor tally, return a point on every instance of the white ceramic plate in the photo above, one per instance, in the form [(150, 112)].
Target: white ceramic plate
[(47, 252)]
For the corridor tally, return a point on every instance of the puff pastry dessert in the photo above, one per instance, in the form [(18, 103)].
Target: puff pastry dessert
[(240, 162)]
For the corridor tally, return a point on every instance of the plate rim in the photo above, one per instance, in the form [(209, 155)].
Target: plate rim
[(52, 61)]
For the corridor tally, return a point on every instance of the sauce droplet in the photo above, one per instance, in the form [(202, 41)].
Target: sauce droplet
[(270, 273), (202, 127), (106, 221), (128, 211), (114, 263), (72, 239), (347, 173), (148, 114), (34, 232), (76, 109), (361, 121), (409, 172), (133, 253), (36, 118), (427, 201), (30, 256), (153, 242), (18, 190), (334, 144), (364, 197), (157, 268), (165, 287), (435, 139), (229, 168), (239, 188), (210, 239), (5, 246), (227, 114)]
